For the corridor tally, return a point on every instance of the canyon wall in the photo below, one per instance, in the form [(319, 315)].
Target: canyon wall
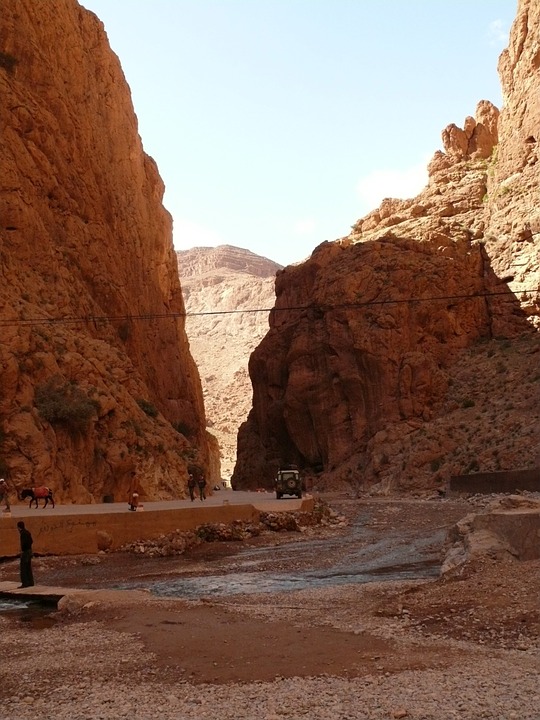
[(412, 357), (99, 393)]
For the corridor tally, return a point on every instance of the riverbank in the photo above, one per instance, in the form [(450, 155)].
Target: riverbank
[(465, 647)]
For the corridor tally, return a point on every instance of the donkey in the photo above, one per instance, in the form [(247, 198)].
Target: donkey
[(36, 494)]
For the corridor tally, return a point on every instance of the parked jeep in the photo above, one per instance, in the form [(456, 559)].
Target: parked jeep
[(288, 482)]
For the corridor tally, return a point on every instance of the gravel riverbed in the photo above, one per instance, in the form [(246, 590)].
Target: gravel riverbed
[(465, 647)]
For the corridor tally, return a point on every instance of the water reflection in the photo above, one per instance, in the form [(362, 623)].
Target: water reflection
[(261, 582), (33, 614)]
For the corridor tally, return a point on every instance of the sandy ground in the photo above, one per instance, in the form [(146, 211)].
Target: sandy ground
[(350, 630)]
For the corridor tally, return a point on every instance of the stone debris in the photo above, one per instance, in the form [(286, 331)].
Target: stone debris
[(178, 542)]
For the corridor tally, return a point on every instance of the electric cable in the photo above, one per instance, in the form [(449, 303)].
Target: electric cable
[(289, 308)]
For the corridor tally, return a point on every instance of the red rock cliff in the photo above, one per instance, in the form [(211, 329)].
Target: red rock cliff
[(94, 363), (375, 380)]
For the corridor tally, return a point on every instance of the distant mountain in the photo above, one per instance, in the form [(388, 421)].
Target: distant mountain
[(221, 282)]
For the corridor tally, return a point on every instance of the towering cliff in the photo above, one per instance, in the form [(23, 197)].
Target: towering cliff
[(99, 393), (383, 378), (228, 292), (513, 201)]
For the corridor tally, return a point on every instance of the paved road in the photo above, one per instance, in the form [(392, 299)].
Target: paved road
[(262, 501)]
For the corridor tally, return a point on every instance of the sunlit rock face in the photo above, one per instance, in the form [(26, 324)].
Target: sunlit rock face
[(94, 363), (513, 200), (228, 292), (390, 376)]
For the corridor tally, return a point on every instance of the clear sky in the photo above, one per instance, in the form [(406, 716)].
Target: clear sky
[(276, 124)]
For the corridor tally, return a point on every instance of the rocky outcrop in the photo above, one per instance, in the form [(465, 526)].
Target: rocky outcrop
[(99, 392), (508, 531), (366, 338), (228, 292), (512, 230)]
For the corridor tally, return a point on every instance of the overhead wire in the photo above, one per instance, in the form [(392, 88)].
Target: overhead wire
[(12, 322), (203, 313)]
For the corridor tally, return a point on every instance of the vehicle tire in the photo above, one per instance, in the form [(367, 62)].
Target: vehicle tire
[(278, 495), (299, 495)]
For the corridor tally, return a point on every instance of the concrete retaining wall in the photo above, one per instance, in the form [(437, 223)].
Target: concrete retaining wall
[(519, 528), (80, 533), (496, 482)]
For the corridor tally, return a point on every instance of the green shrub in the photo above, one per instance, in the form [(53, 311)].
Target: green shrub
[(183, 428), (64, 403), (8, 62), (124, 331), (473, 466), (147, 407), (468, 403)]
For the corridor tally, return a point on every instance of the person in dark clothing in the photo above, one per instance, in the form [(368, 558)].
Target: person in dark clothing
[(4, 494), (201, 482), (134, 501), (191, 487), (27, 578)]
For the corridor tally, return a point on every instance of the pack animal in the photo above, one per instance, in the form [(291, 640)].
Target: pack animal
[(36, 494)]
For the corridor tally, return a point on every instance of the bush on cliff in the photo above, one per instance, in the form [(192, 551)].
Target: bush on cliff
[(64, 403)]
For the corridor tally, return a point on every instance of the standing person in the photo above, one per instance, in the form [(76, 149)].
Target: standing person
[(134, 501), (191, 486), (201, 482), (27, 578), (4, 495)]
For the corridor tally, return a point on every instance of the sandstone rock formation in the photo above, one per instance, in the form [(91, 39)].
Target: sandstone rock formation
[(228, 292), (95, 368), (360, 384)]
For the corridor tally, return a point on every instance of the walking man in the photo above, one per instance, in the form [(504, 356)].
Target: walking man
[(201, 482), (191, 486), (27, 578), (4, 495)]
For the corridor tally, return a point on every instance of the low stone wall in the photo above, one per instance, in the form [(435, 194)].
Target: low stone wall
[(88, 533), (496, 482), (509, 531), (519, 528)]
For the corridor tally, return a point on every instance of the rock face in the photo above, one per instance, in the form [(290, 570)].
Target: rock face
[(94, 362), (425, 296), (513, 208), (228, 292)]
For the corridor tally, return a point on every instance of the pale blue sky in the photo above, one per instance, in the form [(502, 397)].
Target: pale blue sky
[(276, 124)]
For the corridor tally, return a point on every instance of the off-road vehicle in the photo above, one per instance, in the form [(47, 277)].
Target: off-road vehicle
[(288, 482)]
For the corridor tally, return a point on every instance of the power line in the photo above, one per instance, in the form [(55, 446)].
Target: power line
[(70, 320)]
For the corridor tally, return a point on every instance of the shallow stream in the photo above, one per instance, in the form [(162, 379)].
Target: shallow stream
[(34, 614), (356, 557), (381, 543)]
